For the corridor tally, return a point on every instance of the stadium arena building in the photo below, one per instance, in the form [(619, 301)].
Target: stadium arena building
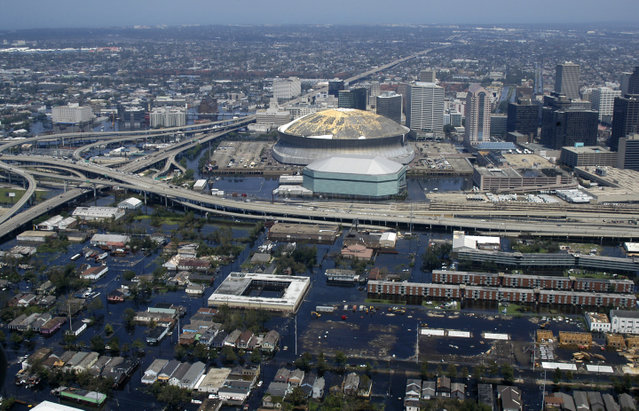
[(341, 131), (355, 177)]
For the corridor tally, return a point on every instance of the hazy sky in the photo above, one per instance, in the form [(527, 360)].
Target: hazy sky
[(21, 14)]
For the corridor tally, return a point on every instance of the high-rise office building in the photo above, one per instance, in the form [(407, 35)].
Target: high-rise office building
[(633, 83), (389, 105), (425, 111), (603, 100), (498, 124), (374, 89), (523, 117), (625, 119), (353, 98), (286, 88), (477, 115), (628, 154), (625, 82), (564, 125), (334, 86), (539, 79), (567, 80), (427, 76)]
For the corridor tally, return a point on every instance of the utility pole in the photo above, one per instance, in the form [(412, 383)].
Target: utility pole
[(295, 334)]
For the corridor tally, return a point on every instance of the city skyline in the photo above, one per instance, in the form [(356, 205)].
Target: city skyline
[(75, 14)]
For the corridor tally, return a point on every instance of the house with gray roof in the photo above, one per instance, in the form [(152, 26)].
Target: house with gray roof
[(192, 375), (509, 397), (168, 370), (627, 403), (151, 373), (581, 401), (179, 373), (610, 403)]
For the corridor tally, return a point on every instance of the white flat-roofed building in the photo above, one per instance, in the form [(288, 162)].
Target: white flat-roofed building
[(624, 321), (50, 224), (71, 114), (98, 213), (213, 380), (94, 273), (100, 240), (31, 236), (130, 203), (388, 239), (200, 184), (460, 239), (238, 288), (598, 322), (632, 249)]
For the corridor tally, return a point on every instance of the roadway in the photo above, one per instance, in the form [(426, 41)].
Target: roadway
[(384, 214), (27, 194)]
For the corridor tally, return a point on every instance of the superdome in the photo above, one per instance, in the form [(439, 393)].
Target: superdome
[(341, 131)]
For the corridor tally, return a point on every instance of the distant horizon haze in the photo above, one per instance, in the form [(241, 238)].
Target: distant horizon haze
[(41, 14)]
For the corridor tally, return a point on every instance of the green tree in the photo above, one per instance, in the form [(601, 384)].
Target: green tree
[(114, 345), (128, 275), (423, 370), (322, 366), (228, 355), (340, 359), (180, 352), (304, 362), (108, 329), (451, 371), (129, 314), (16, 339), (507, 373), (173, 396), (297, 396), (478, 372), (201, 352), (256, 357), (556, 376), (97, 343)]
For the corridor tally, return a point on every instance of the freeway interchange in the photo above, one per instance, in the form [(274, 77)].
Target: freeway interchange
[(574, 222)]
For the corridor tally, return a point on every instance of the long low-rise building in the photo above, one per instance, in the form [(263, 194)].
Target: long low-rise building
[(624, 321), (303, 232), (548, 260), (549, 282), (244, 290), (586, 299), (98, 213), (417, 292), (496, 179)]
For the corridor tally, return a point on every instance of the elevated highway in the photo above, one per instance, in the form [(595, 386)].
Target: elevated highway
[(27, 194), (577, 224)]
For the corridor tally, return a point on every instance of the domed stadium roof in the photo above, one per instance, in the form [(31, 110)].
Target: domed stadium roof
[(343, 124)]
